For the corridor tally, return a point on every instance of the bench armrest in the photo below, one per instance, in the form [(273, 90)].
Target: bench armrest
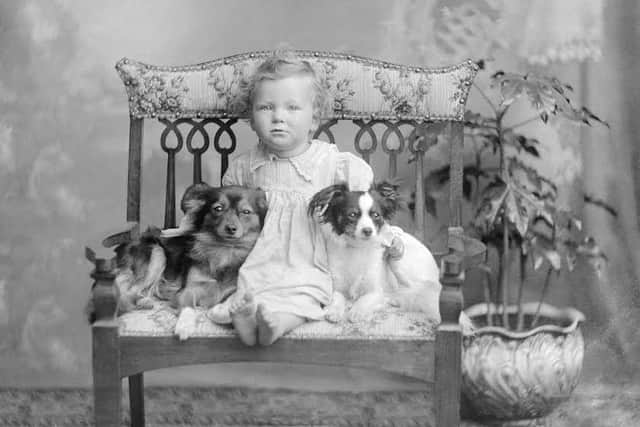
[(105, 295), (122, 234)]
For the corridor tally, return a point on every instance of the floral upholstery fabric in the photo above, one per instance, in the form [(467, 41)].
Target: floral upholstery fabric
[(358, 87), (388, 324)]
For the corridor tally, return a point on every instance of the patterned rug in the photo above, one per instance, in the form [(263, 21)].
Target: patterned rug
[(231, 406)]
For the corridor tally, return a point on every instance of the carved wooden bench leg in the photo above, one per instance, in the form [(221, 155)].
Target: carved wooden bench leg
[(448, 376), (136, 399), (448, 357), (107, 385)]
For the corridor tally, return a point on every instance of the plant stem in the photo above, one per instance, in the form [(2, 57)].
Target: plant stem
[(505, 272), (547, 280), (498, 294), (478, 158), (524, 122), (523, 266), (504, 264), (487, 295), (499, 132), (486, 98)]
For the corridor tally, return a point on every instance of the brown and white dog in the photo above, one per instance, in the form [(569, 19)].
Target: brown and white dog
[(359, 240), (195, 265)]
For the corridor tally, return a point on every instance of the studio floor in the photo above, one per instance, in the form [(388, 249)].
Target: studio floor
[(598, 405)]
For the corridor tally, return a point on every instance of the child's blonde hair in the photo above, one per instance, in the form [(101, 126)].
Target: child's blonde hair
[(280, 65)]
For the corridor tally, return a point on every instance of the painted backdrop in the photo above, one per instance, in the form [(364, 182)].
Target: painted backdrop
[(64, 130)]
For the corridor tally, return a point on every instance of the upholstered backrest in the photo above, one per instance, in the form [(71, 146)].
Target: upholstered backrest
[(400, 108), (359, 88)]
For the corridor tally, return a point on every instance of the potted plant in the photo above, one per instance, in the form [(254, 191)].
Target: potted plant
[(525, 357)]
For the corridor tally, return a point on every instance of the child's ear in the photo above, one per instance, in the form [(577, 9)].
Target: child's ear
[(315, 124)]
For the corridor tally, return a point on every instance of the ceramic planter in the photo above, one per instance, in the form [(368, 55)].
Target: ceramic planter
[(517, 378)]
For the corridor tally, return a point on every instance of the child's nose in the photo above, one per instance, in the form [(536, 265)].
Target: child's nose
[(278, 115)]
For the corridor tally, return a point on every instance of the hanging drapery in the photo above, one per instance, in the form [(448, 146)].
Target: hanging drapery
[(543, 32), (539, 32)]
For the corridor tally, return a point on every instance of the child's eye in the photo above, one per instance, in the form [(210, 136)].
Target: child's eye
[(264, 107), (294, 107)]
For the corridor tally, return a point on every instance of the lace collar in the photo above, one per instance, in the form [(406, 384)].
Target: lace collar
[(304, 164)]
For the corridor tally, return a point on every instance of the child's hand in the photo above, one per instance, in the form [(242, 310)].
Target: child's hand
[(395, 250)]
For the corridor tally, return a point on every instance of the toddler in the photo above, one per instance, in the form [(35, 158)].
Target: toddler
[(285, 280)]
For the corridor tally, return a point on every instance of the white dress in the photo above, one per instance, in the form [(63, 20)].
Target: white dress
[(287, 270)]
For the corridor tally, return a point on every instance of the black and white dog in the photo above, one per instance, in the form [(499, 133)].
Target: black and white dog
[(370, 260)]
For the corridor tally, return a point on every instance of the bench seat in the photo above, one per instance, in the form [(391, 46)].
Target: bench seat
[(390, 323)]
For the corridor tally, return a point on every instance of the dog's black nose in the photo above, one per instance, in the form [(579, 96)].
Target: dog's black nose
[(231, 229), (367, 231)]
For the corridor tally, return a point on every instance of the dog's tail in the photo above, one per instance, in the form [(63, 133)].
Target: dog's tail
[(426, 299), (423, 299), (153, 278)]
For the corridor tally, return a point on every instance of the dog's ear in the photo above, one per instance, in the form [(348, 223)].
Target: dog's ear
[(194, 202), (195, 196), (324, 198), (389, 198), (261, 204)]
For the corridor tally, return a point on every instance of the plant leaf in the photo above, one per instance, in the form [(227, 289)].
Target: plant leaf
[(525, 198), (521, 142), (548, 95), (600, 203)]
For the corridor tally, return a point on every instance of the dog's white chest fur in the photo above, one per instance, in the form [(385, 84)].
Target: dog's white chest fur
[(357, 267)]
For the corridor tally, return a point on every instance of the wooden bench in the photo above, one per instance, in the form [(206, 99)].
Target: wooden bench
[(399, 112)]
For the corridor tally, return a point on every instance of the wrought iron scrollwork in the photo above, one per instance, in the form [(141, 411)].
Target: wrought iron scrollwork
[(393, 128), (194, 127), (170, 191), (326, 129), (366, 127), (224, 127), (197, 151)]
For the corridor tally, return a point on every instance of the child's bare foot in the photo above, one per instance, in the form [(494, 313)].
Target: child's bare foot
[(268, 326), (243, 317), (273, 325)]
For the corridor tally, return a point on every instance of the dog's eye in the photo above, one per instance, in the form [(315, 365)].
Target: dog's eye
[(217, 208), (352, 215), (246, 212), (375, 215)]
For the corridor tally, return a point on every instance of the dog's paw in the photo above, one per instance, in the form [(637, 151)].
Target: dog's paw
[(334, 314), (145, 303), (359, 314), (393, 301), (127, 303), (466, 324), (219, 314), (186, 324)]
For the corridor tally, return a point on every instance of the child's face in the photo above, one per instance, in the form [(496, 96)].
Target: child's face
[(282, 114)]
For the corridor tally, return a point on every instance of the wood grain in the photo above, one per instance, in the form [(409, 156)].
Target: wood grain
[(107, 384), (136, 399), (411, 358), (134, 178)]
